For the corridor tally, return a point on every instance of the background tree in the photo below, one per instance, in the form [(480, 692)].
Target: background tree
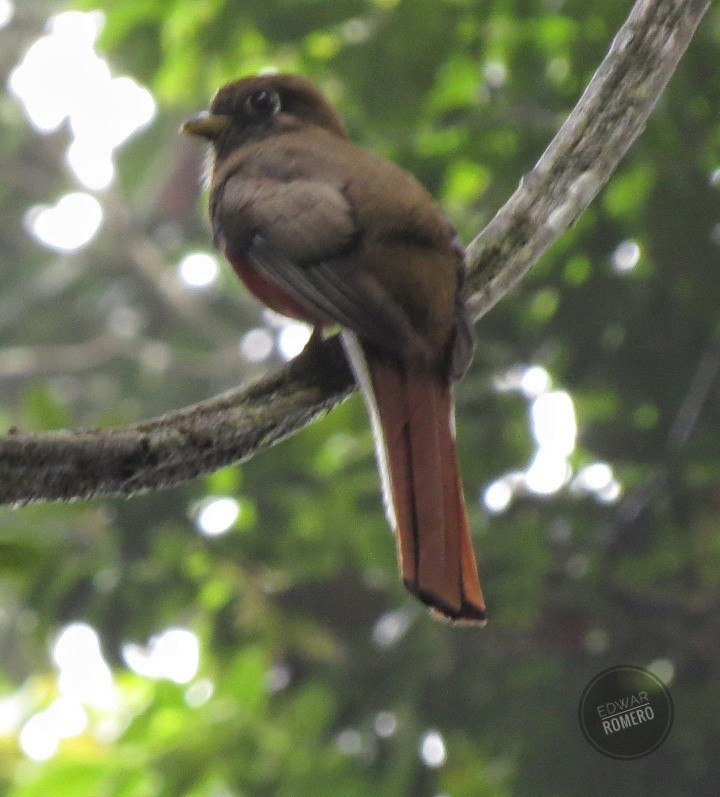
[(587, 432)]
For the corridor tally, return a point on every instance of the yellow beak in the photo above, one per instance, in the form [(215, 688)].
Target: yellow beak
[(206, 125)]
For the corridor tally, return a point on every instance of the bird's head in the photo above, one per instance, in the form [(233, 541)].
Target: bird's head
[(256, 107)]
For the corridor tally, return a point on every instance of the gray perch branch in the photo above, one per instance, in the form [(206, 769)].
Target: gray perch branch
[(182, 445)]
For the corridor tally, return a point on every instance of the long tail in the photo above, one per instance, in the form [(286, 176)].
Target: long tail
[(412, 418)]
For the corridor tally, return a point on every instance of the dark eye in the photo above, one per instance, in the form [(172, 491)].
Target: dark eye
[(263, 103)]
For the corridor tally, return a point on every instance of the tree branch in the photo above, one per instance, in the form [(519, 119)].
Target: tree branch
[(587, 149), (177, 447), (234, 426)]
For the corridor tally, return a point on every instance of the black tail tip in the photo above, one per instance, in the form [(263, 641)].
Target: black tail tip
[(466, 614)]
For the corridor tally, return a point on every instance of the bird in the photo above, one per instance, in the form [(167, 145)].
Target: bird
[(322, 230)]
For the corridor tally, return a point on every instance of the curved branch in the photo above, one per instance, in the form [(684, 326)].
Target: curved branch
[(232, 427), (179, 446), (587, 149)]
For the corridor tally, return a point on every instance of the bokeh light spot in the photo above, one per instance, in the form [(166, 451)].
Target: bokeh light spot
[(349, 742), (664, 669), (390, 628), (174, 654), (257, 345), (432, 749), (198, 270), (217, 516), (84, 675), (61, 77), (626, 256), (69, 225), (498, 495), (292, 339), (385, 724), (7, 10)]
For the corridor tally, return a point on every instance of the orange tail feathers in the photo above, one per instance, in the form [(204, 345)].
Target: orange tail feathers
[(412, 417)]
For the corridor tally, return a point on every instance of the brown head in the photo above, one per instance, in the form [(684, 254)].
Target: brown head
[(255, 107)]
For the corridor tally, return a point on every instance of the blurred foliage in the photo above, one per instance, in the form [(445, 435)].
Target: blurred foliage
[(465, 94)]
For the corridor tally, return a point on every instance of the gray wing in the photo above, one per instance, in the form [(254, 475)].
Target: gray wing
[(305, 220), (302, 235), (347, 295)]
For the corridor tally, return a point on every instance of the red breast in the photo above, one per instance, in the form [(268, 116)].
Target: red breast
[(270, 294)]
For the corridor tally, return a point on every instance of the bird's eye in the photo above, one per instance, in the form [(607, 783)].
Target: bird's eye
[(263, 103)]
